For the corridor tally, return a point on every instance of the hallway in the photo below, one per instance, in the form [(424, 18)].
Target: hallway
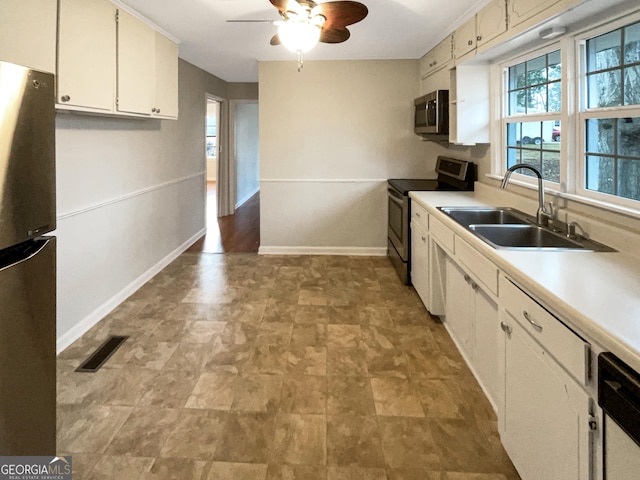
[(239, 233)]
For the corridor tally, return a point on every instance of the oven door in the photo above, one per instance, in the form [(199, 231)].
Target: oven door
[(398, 227)]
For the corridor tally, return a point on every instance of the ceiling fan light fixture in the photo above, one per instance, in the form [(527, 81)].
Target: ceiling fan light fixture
[(299, 35)]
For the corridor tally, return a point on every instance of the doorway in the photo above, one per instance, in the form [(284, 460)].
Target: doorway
[(232, 180)]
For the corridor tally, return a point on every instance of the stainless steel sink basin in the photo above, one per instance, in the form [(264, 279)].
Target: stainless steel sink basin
[(508, 228), (531, 237), (487, 215)]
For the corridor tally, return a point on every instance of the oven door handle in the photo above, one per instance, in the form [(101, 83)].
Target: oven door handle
[(395, 196)]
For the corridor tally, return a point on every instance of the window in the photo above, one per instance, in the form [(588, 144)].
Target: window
[(586, 145), (612, 127), (534, 93), (211, 139)]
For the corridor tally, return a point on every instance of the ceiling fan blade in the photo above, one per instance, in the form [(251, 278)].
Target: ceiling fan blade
[(275, 40), (340, 14), (280, 4), (334, 35), (285, 6)]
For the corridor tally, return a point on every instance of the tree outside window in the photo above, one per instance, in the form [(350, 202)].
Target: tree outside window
[(612, 143)]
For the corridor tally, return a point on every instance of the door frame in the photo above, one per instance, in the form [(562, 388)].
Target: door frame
[(224, 184)]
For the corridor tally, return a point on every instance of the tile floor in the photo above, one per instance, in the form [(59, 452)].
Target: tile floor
[(247, 367)]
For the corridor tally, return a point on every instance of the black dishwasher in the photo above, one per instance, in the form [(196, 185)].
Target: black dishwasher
[(619, 397)]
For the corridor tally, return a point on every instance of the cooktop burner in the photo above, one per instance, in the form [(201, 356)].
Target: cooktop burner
[(406, 185)]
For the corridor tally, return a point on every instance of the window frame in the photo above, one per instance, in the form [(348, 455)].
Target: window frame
[(585, 113), (573, 117), (506, 118)]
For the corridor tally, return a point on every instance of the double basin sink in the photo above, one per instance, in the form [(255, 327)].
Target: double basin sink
[(508, 228)]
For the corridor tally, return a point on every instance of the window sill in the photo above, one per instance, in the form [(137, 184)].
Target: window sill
[(609, 207)]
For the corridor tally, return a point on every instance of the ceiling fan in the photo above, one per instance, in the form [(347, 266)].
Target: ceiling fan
[(305, 23)]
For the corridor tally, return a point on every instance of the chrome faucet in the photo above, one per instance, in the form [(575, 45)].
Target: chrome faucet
[(544, 213)]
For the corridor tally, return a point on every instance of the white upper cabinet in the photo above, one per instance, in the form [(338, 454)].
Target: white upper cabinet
[(465, 38), (166, 77), (522, 10), (438, 57), (136, 65), (147, 70), (469, 105), (491, 21), (28, 33), (86, 55), (486, 25)]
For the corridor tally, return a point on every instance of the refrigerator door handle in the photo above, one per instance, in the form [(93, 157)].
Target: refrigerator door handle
[(22, 252)]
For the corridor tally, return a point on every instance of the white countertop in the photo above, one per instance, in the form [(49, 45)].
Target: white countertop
[(597, 294)]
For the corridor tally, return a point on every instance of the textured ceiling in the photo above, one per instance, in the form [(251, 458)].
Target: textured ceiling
[(393, 29)]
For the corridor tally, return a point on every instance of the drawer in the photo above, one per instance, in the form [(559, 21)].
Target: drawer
[(571, 351), (419, 215), (482, 269), (441, 234)]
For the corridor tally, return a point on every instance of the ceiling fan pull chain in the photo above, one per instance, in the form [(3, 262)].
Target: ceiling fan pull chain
[(300, 65)]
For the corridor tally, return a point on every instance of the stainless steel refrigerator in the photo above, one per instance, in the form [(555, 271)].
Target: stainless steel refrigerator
[(27, 262)]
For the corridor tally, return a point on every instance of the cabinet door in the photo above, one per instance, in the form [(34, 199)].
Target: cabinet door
[(87, 67), (487, 335), (28, 33), (420, 262), (460, 307), (166, 77), (465, 38), (443, 53), (491, 21), (437, 278), (522, 10), (546, 413), (136, 65)]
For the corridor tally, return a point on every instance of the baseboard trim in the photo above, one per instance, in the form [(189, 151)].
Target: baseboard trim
[(246, 198), (103, 310), (348, 251)]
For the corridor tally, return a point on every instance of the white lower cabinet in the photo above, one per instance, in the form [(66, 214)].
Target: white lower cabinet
[(545, 423), (420, 261), (460, 307), (546, 414), (472, 317)]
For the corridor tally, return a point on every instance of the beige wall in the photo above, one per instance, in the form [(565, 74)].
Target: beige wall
[(130, 198), (330, 136)]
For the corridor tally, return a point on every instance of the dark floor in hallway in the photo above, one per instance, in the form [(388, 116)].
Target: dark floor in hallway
[(238, 233), (247, 367)]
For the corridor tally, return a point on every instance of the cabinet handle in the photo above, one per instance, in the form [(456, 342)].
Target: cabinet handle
[(528, 318), (157, 110), (424, 239), (470, 42), (418, 214), (505, 328), (467, 278), (65, 98), (479, 37), (474, 285), (153, 110)]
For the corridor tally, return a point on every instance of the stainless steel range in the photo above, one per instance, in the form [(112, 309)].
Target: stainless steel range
[(453, 175)]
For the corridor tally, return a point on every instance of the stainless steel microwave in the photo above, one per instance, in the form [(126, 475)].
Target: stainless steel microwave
[(432, 114)]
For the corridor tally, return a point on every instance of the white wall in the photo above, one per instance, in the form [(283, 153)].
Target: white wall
[(330, 137), (246, 150), (130, 198)]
